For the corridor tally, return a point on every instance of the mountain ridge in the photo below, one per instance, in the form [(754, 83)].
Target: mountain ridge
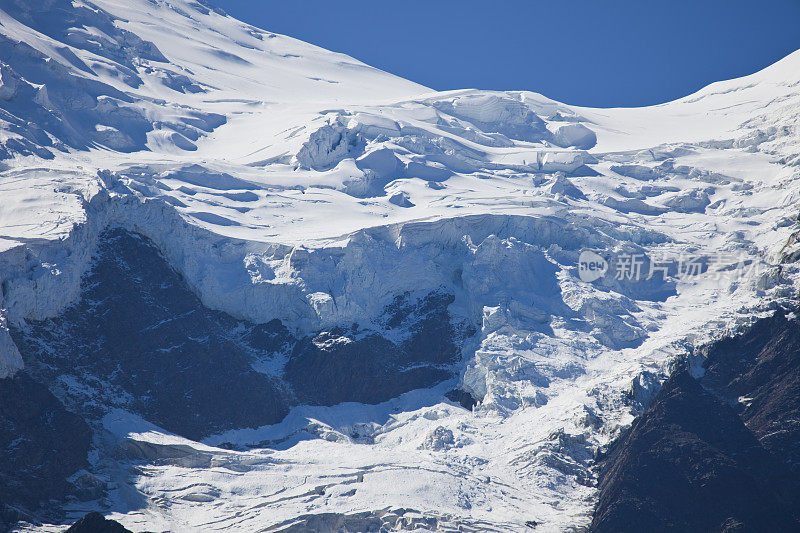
[(410, 242)]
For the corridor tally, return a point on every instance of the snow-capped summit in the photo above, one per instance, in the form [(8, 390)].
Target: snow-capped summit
[(284, 287)]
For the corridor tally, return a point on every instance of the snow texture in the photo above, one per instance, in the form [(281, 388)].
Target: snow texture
[(287, 182)]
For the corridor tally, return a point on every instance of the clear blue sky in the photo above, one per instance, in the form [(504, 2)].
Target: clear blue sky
[(600, 53)]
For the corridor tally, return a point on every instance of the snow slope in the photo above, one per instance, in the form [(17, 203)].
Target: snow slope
[(288, 182)]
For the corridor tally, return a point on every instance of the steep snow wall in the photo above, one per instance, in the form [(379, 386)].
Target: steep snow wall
[(506, 273), (311, 287)]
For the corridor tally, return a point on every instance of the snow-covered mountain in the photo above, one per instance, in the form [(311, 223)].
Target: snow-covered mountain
[(281, 288)]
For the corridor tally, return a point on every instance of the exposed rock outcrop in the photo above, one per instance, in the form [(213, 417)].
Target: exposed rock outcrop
[(41, 445), (139, 339), (94, 522), (715, 454)]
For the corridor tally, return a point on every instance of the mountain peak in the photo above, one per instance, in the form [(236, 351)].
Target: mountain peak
[(259, 271)]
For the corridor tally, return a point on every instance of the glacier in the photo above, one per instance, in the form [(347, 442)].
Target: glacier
[(417, 250)]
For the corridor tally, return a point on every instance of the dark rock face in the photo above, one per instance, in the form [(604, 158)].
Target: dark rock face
[(463, 398), (139, 339), (41, 445), (319, 523), (8, 517), (340, 366), (718, 454), (96, 523), (760, 370)]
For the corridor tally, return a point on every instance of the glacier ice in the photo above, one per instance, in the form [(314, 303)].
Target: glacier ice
[(373, 218)]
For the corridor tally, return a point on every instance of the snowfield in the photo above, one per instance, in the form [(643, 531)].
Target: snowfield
[(283, 181)]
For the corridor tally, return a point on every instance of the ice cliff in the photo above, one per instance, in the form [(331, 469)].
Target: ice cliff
[(356, 258)]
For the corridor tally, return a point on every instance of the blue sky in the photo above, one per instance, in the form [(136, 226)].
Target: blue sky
[(601, 53)]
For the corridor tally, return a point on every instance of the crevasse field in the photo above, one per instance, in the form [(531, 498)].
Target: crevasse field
[(374, 255)]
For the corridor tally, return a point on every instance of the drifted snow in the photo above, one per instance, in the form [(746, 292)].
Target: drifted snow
[(285, 181)]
